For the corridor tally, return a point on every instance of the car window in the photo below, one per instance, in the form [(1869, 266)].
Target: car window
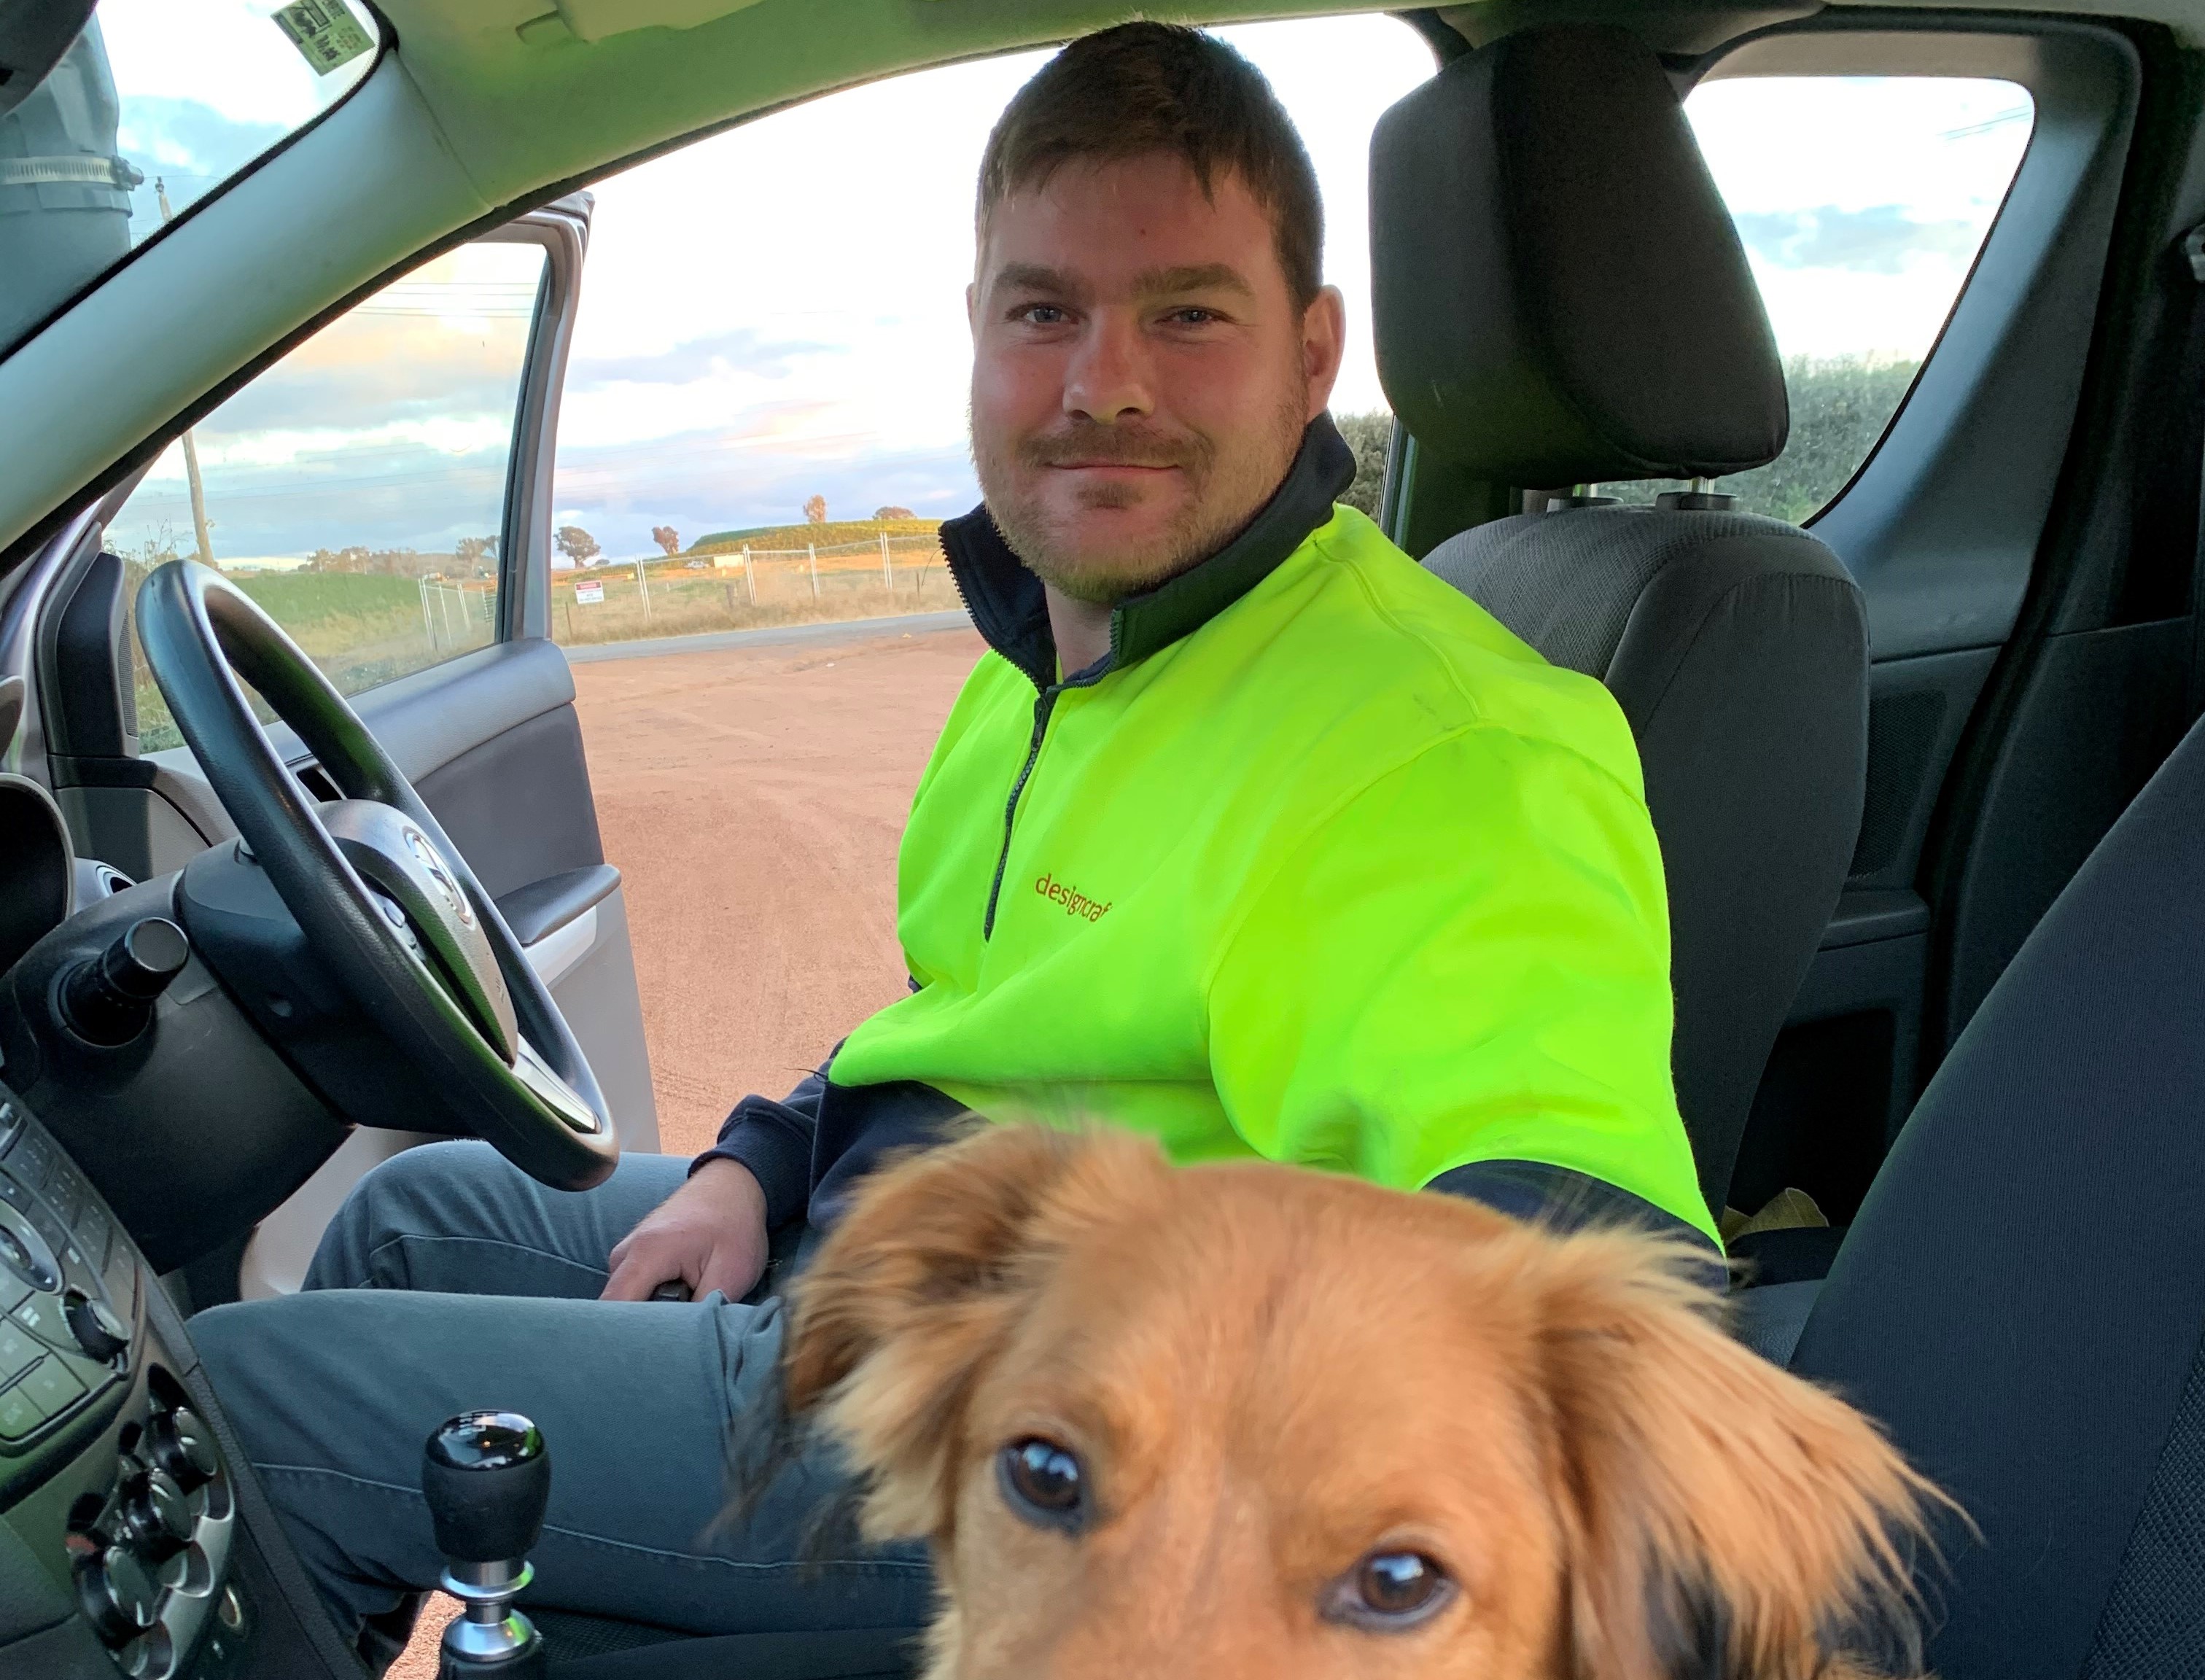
[(764, 419), (356, 489), (157, 104), (771, 356), (1862, 201)]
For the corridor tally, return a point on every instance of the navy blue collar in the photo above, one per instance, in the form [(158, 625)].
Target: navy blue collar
[(1010, 611)]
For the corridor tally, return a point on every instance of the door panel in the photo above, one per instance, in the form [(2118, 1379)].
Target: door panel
[(430, 409)]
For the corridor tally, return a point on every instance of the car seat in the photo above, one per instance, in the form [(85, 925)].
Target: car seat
[(1560, 297)]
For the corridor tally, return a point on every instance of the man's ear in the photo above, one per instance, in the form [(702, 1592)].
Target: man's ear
[(1724, 1518), (922, 1283), (1324, 346)]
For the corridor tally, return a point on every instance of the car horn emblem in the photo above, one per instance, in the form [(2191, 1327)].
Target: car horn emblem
[(440, 876)]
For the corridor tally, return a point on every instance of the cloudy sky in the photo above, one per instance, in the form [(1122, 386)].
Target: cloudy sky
[(777, 311)]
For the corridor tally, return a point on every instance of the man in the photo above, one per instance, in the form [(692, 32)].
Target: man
[(1247, 832)]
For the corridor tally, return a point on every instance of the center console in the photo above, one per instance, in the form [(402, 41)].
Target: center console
[(118, 1513)]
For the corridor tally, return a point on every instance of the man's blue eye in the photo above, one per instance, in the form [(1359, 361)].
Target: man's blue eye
[(1043, 314)]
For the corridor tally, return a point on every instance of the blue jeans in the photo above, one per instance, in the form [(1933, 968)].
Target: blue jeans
[(451, 1281)]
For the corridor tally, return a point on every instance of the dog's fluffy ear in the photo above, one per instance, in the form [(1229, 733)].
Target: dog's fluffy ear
[(1727, 1519), (921, 1283)]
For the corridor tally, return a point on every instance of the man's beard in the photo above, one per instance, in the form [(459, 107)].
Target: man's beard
[(1225, 492)]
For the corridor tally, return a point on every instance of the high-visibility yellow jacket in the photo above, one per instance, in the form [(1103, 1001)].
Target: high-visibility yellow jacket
[(1321, 864)]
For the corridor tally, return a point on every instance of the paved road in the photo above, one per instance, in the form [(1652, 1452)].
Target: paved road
[(788, 635)]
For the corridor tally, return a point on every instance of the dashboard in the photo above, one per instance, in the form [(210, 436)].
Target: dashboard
[(118, 1512)]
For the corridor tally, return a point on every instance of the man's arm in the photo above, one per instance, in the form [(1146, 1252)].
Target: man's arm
[(774, 1140), (1461, 981), (712, 1233)]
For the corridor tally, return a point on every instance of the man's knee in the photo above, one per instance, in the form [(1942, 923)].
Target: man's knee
[(438, 1189)]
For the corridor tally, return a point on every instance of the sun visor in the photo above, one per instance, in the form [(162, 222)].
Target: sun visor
[(594, 20), (1559, 293)]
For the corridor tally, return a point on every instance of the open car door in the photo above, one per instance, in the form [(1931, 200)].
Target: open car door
[(383, 490)]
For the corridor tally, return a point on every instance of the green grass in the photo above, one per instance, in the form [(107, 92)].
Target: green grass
[(796, 536)]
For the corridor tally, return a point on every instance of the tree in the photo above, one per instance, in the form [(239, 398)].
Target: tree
[(1369, 436), (576, 544), (668, 539), (815, 510), (894, 514), (472, 552)]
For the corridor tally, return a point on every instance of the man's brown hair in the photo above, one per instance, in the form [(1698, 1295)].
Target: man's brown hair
[(1143, 88)]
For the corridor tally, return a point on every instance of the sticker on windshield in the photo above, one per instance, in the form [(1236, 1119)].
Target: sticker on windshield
[(325, 33)]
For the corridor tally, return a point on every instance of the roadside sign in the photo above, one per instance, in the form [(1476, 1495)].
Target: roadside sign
[(589, 594)]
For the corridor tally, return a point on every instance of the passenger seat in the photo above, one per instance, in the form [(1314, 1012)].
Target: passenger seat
[(1561, 299)]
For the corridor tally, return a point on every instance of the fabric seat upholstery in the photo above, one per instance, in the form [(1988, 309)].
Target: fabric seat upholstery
[(1525, 342), (2021, 1300)]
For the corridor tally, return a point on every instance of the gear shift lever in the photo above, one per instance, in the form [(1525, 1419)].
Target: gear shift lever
[(487, 1477)]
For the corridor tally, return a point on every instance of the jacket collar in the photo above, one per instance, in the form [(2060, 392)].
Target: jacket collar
[(1009, 609)]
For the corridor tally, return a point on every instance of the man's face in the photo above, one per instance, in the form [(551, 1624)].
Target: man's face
[(1141, 376)]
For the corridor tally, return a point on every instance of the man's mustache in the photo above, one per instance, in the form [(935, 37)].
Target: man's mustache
[(1114, 445)]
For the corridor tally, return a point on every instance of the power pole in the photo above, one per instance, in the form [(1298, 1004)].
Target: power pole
[(191, 448)]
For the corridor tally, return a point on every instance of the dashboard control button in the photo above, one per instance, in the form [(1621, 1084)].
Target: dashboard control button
[(42, 1316), (33, 1162), (14, 1291), (180, 1444), (11, 1122), (156, 1515), (18, 1416), (51, 1386), (68, 1199), (98, 1330), (17, 1352), (94, 1233), (119, 1593), (120, 1277)]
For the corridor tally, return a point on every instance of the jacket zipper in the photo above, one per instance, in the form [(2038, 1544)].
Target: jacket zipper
[(1044, 706)]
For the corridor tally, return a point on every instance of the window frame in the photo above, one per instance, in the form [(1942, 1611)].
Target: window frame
[(386, 43), (1967, 466)]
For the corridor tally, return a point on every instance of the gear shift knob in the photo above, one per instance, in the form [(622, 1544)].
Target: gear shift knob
[(487, 1477)]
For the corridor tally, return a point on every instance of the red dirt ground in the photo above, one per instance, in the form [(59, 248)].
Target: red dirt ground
[(753, 800)]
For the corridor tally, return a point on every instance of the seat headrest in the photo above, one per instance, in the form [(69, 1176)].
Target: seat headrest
[(1559, 295)]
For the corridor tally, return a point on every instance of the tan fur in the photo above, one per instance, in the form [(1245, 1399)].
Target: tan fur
[(1269, 1373)]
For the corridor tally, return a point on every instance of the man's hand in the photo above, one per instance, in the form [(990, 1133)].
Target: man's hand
[(709, 1234)]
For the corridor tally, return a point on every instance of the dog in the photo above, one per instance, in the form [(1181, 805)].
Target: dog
[(1245, 1420)]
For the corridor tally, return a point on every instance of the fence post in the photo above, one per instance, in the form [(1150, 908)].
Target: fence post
[(749, 586), (812, 551), (642, 583), (888, 577), (428, 628)]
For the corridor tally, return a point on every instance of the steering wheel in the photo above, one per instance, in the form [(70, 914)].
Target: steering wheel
[(384, 898)]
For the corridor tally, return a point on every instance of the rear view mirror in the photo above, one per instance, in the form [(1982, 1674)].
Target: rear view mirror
[(33, 36)]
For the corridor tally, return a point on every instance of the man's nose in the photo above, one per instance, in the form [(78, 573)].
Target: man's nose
[(1109, 378)]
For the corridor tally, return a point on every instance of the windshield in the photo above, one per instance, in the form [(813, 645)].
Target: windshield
[(156, 104)]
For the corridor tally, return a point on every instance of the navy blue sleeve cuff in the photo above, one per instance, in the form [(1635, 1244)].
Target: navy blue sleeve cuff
[(1564, 1199), (773, 1141)]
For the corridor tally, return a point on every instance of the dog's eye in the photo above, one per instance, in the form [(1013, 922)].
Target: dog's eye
[(1389, 1592), (1043, 1481)]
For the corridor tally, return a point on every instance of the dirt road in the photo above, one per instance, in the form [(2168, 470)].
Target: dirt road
[(753, 800)]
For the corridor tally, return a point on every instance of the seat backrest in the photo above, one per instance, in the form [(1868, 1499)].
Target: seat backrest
[(1526, 339), (2021, 1301)]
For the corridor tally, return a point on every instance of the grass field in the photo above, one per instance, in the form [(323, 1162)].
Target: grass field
[(361, 629), (848, 581), (364, 628)]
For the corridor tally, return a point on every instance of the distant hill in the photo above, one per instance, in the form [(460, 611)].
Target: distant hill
[(796, 536)]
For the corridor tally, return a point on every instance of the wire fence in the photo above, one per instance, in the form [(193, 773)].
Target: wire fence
[(744, 588)]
